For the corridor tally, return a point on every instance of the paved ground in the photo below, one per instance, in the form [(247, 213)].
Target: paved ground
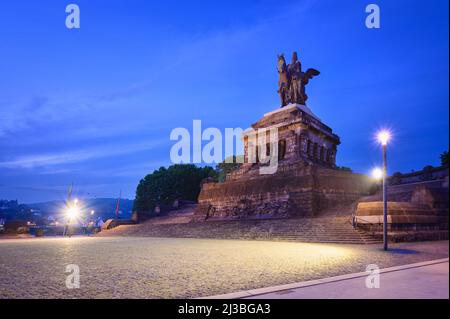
[(416, 281), (183, 268)]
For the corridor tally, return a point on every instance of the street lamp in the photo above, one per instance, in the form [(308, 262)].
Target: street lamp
[(92, 212), (383, 138), (377, 173), (72, 213)]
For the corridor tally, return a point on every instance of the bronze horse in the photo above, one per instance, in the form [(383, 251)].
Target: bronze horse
[(283, 81), (286, 84)]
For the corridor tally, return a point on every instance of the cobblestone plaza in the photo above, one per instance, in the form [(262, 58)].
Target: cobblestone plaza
[(183, 268)]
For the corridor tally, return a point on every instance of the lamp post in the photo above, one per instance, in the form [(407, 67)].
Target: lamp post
[(72, 213), (383, 138), (377, 174)]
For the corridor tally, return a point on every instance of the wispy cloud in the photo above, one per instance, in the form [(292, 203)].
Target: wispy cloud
[(136, 170), (20, 114), (75, 156)]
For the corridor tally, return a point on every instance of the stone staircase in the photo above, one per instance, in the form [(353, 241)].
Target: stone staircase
[(180, 216), (313, 230), (324, 230)]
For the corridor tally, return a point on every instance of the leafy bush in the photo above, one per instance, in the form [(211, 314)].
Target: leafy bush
[(227, 166), (165, 185)]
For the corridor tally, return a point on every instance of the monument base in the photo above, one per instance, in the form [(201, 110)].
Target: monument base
[(296, 190), (306, 180)]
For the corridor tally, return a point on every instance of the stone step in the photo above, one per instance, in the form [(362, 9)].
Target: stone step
[(326, 230)]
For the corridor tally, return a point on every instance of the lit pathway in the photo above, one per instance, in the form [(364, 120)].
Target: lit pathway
[(425, 280), (118, 267)]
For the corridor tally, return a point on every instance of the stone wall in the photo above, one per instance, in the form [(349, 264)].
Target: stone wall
[(416, 211), (299, 190), (433, 173), (402, 216)]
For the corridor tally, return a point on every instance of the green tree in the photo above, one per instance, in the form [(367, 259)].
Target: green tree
[(444, 158), (165, 185), (227, 166)]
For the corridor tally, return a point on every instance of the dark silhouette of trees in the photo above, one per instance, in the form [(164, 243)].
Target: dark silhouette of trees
[(165, 185), (230, 164), (444, 158)]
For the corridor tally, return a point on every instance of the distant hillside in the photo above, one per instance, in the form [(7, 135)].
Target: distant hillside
[(11, 209), (104, 207)]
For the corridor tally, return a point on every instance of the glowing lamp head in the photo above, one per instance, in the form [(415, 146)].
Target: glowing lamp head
[(383, 137), (72, 213), (377, 173), (92, 212)]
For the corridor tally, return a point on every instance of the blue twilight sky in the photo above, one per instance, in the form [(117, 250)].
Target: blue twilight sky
[(96, 106)]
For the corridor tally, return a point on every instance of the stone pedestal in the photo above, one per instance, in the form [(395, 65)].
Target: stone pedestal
[(301, 136), (305, 182)]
